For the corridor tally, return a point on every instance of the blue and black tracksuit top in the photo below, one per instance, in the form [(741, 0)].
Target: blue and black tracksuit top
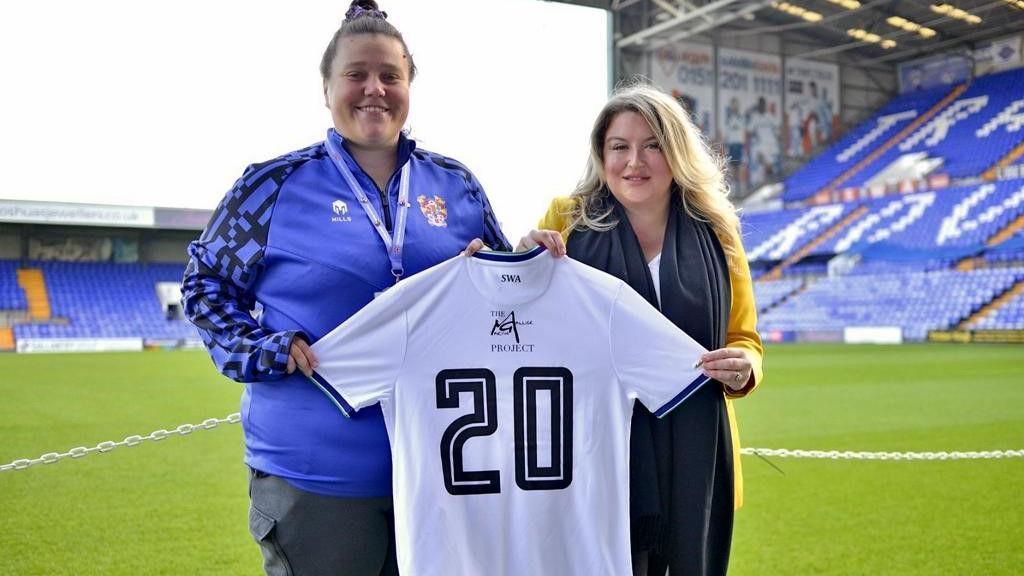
[(289, 253)]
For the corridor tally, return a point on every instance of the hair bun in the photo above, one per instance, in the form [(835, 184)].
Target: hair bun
[(364, 8)]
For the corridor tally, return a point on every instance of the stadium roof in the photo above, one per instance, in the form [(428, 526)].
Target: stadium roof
[(906, 23)]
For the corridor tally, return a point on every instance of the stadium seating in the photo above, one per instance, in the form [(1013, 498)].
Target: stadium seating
[(971, 133), (770, 293), (926, 230), (12, 297), (859, 142), (906, 299), (772, 236), (1008, 316), (103, 300), (883, 266), (946, 223), (1010, 250)]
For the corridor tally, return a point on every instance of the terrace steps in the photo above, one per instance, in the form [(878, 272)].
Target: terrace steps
[(996, 302), (796, 292), (33, 283), (776, 273), (1003, 162), (1006, 232), (1012, 228), (887, 145)]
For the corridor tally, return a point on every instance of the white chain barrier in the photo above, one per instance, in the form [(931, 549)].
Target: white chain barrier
[(156, 436), (847, 455), (235, 418)]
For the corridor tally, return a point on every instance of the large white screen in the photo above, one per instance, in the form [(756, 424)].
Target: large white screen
[(164, 104)]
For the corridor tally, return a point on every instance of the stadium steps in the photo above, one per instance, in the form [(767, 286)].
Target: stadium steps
[(1006, 232), (975, 262), (1003, 162), (6, 339), (996, 302), (32, 282), (796, 292), (969, 263), (776, 273), (885, 146)]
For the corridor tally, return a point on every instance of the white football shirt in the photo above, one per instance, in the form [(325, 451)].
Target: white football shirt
[(507, 384)]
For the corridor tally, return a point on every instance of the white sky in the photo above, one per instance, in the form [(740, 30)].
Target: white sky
[(164, 104)]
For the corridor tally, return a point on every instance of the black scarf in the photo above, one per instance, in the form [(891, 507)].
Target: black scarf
[(679, 464)]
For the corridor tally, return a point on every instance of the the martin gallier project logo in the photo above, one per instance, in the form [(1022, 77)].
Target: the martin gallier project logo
[(340, 212), (505, 324)]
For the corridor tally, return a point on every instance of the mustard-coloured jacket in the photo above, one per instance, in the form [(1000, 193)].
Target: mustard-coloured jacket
[(742, 330)]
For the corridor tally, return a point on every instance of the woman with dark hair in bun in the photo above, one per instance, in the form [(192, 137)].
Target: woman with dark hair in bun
[(311, 237)]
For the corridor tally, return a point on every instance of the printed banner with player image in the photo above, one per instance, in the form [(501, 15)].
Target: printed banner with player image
[(812, 107), (750, 115), (687, 72)]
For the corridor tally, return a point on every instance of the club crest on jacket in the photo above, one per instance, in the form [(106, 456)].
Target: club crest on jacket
[(434, 210)]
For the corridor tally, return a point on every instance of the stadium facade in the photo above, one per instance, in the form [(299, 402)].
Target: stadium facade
[(81, 277)]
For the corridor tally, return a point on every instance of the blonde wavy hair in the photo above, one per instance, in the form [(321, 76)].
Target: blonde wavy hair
[(698, 173)]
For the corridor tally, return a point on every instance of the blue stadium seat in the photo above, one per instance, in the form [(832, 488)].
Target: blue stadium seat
[(773, 236), (971, 133), (947, 224), (1009, 316), (1009, 251), (105, 300), (12, 297), (905, 299), (860, 141), (925, 230), (770, 293)]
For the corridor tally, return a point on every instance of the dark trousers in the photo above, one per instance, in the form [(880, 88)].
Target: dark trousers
[(306, 534)]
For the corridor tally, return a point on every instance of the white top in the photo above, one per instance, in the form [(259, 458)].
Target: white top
[(734, 128), (763, 127), (507, 384), (655, 266)]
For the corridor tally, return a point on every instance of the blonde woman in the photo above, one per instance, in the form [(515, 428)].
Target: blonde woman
[(653, 210)]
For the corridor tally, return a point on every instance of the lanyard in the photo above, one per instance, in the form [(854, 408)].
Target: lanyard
[(394, 246)]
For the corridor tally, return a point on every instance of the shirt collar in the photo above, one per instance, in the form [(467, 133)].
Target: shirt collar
[(406, 146)]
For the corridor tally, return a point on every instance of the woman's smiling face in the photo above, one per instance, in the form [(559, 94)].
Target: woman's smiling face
[(635, 167), (368, 90)]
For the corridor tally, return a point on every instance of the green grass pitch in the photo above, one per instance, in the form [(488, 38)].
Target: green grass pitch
[(179, 506)]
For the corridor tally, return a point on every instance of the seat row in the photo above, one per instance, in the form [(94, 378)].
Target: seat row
[(107, 300), (967, 136), (915, 301)]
